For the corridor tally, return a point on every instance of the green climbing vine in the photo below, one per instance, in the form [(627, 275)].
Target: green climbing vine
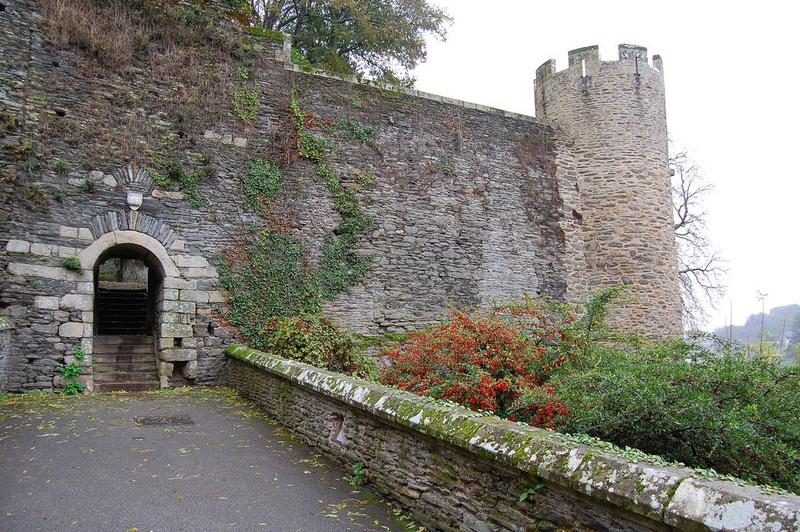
[(261, 182), (246, 98), (275, 293)]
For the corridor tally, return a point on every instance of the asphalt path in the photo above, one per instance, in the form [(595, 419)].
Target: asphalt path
[(186, 460)]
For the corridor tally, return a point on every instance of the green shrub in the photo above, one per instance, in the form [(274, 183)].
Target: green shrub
[(689, 404), (72, 263), (315, 340), (702, 403), (300, 60)]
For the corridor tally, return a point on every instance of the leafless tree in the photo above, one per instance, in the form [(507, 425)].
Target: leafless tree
[(700, 267)]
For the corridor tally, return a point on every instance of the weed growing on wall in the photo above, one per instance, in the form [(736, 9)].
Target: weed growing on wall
[(72, 263), (71, 373), (261, 182), (169, 173), (352, 130), (266, 278), (246, 98), (339, 266), (359, 476)]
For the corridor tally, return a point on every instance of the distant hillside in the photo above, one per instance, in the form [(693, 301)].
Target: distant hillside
[(781, 325)]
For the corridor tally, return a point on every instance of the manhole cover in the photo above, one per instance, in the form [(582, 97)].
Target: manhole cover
[(163, 420)]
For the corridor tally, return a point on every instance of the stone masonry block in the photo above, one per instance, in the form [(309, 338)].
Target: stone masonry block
[(177, 317), (197, 296), (44, 250), (185, 307), (71, 329), (176, 330), (189, 261), (77, 302), (46, 302), (18, 246), (170, 293), (85, 234), (178, 355), (182, 284), (215, 296), (85, 287), (200, 273), (67, 232), (189, 369), (166, 368)]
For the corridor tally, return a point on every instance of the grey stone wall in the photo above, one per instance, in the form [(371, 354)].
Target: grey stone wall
[(459, 470), (6, 329), (470, 204)]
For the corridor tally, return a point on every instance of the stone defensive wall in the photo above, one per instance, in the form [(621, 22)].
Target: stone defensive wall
[(469, 204), (456, 469)]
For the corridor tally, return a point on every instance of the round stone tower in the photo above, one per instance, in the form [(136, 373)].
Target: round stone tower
[(612, 112)]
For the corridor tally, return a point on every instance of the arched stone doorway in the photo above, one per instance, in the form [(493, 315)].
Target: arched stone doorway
[(142, 330), (127, 286)]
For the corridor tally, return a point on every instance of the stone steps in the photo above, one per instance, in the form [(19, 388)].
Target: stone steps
[(124, 362)]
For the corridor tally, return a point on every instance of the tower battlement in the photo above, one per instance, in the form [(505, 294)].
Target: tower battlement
[(586, 61)]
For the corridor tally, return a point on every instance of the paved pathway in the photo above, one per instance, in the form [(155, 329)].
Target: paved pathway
[(84, 463)]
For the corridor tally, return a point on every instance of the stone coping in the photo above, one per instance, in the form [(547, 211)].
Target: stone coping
[(674, 496), (284, 56)]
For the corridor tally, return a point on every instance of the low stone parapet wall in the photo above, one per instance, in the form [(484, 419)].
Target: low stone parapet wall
[(460, 470)]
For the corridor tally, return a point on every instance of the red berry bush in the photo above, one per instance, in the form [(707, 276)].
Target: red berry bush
[(497, 360)]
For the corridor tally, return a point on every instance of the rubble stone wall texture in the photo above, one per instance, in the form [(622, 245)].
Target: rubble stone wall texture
[(456, 469), (614, 114), (470, 204), (6, 329)]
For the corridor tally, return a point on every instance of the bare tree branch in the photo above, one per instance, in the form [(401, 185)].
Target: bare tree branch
[(701, 269)]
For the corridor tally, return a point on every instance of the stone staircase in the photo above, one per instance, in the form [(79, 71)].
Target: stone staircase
[(124, 362)]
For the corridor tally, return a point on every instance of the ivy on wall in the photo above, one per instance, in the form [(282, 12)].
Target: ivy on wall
[(269, 277)]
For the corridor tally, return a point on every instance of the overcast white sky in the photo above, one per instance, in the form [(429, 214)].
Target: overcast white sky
[(732, 101)]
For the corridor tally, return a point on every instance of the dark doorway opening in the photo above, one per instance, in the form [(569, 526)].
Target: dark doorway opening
[(128, 282)]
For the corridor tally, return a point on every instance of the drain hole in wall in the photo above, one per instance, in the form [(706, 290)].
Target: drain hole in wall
[(211, 328), (337, 428), (177, 342), (60, 112), (2, 7), (56, 64)]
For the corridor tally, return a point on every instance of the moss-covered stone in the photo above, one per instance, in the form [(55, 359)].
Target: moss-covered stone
[(655, 491)]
